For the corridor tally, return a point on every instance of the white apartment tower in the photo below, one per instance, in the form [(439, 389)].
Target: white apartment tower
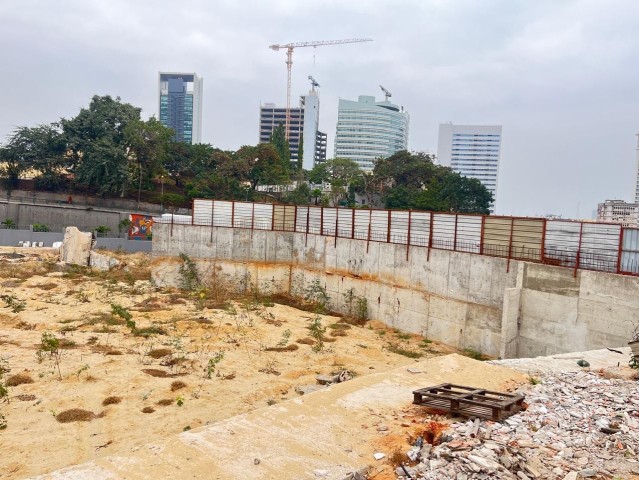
[(368, 130), (472, 151)]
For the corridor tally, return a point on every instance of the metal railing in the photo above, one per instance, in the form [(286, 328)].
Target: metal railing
[(578, 245)]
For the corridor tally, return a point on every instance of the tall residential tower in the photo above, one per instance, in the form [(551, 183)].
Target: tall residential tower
[(472, 151), (180, 103), (368, 130)]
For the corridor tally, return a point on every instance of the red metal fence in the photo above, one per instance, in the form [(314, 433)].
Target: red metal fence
[(578, 245)]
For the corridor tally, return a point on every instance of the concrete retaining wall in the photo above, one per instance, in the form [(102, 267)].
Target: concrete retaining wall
[(464, 300)]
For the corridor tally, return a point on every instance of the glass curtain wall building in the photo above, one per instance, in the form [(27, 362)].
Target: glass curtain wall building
[(180, 104), (472, 151), (368, 130)]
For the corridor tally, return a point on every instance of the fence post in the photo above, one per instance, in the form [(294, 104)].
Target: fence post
[(370, 223), (388, 230), (581, 230), (481, 235), (272, 217), (455, 234), (336, 225), (510, 244), (408, 234), (295, 218), (212, 213), (620, 252), (430, 236), (308, 214), (353, 223), (322, 221), (233, 214)]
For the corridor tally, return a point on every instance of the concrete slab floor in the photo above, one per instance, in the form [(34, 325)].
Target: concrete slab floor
[(333, 430)]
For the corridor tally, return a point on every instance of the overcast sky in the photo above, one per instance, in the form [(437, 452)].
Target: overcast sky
[(560, 76)]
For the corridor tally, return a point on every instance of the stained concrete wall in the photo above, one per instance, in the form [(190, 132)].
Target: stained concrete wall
[(464, 300)]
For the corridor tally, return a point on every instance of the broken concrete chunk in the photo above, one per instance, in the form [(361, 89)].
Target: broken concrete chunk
[(378, 455), (76, 247), (306, 389), (103, 262)]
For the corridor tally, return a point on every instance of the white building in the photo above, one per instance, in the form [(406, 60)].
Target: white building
[(368, 130), (303, 128), (472, 151), (180, 105), (618, 211)]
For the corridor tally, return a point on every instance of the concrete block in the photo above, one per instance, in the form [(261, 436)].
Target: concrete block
[(76, 247), (103, 262)]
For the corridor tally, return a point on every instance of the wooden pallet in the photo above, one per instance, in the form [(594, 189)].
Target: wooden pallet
[(469, 401)]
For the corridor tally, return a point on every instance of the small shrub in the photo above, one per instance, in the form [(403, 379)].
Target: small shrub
[(189, 278), (40, 227), (22, 325), (19, 379), (533, 380), (179, 401), (146, 332), (148, 410), (177, 385), (112, 400), (317, 333), (3, 422), (12, 302), (75, 415), (474, 354)]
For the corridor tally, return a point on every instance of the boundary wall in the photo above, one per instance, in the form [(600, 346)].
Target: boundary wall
[(498, 306)]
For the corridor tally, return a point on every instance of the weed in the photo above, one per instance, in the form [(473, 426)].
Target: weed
[(177, 385), (394, 348), (403, 336), (281, 346), (533, 380), (146, 332), (50, 345), (12, 302), (317, 333), (19, 379), (270, 402), (474, 354), (22, 325), (210, 370), (189, 278), (3, 422), (316, 295), (179, 401), (339, 326), (82, 369), (187, 428)]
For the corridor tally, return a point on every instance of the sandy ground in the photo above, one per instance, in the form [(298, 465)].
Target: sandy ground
[(103, 359), (325, 434)]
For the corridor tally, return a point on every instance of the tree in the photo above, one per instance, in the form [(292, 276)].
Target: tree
[(340, 173), (147, 145), (278, 140), (265, 166), (177, 162), (300, 196), (412, 181), (98, 145)]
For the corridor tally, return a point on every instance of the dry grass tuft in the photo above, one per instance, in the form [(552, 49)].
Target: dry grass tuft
[(155, 372), (112, 400), (44, 286), (19, 379), (105, 349), (148, 410), (165, 402), (177, 385), (338, 333), (25, 397), (22, 325), (160, 352), (76, 415), (397, 458), (306, 341), (288, 348)]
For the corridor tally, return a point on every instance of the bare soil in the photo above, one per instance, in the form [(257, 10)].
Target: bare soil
[(158, 370)]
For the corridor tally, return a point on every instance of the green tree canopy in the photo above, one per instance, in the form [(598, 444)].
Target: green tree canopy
[(278, 140), (412, 181)]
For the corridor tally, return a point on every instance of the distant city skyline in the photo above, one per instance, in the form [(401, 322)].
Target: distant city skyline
[(560, 76)]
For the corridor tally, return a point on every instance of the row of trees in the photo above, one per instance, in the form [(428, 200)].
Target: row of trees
[(109, 150)]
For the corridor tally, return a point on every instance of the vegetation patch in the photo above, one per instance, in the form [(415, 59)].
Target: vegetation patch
[(25, 397), (288, 348), (160, 352), (395, 348), (474, 354), (112, 400), (155, 372), (177, 385), (19, 379), (76, 415), (305, 341), (165, 402), (148, 410)]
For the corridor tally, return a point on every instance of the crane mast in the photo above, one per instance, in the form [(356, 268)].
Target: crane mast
[(289, 65)]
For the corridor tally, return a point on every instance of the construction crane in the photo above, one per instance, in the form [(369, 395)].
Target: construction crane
[(387, 94), (289, 64), (313, 82)]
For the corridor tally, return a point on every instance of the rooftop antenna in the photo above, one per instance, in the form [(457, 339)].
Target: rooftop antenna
[(313, 82), (387, 94)]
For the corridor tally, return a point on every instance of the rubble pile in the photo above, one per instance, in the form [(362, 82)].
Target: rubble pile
[(577, 425)]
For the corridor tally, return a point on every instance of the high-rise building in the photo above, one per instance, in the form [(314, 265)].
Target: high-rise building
[(368, 130), (180, 103), (303, 126), (472, 151), (618, 211)]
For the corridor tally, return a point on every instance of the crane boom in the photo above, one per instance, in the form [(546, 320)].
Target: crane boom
[(289, 65)]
